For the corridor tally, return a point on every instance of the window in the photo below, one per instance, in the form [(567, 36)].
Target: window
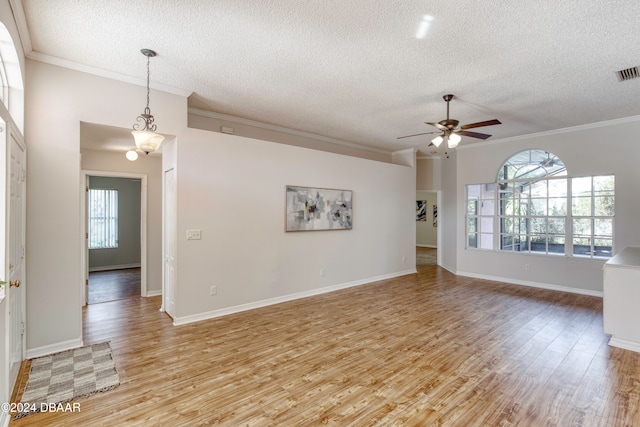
[(538, 209), (480, 213), (103, 219), (592, 211)]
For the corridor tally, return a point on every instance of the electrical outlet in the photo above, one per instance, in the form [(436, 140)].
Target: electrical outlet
[(404, 258), (322, 272), (214, 290), (527, 267), (193, 234)]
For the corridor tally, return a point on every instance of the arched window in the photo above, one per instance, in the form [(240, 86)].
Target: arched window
[(11, 83), (535, 207), (4, 90)]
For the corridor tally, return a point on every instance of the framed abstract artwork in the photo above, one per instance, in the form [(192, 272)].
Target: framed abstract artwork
[(421, 210), (315, 209)]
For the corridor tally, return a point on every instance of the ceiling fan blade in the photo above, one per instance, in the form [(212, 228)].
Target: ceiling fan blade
[(438, 125), (481, 124), (474, 134), (417, 134)]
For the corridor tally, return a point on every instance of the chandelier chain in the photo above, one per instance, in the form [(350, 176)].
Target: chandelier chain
[(145, 121)]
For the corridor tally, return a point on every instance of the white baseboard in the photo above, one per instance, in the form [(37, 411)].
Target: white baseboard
[(114, 267), (625, 344), (154, 293), (271, 301), (449, 269), (533, 284), (54, 348), (427, 246)]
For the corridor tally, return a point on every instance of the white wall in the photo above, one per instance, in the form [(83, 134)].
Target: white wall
[(152, 167), (448, 213), (426, 233), (233, 190), (209, 121), (428, 173), (57, 101), (610, 148)]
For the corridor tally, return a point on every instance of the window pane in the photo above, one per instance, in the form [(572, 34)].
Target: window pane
[(103, 219), (582, 227), (538, 243), (603, 228), (539, 189), (486, 224), (509, 208), (472, 240), (539, 207), (603, 185), (472, 207), (582, 246), (506, 242), (557, 226), (581, 206), (558, 188), (603, 247), (581, 187), (603, 206), (556, 244), (472, 224), (538, 225), (488, 207), (486, 241), (488, 191), (558, 206), (522, 243)]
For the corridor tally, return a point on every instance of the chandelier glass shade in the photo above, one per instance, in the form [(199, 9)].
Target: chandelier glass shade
[(453, 139), (132, 155), (144, 130)]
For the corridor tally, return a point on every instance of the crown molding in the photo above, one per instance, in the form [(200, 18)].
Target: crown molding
[(587, 126), (266, 126), (48, 59)]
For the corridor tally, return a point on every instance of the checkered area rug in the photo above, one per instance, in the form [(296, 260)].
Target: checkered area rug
[(61, 377)]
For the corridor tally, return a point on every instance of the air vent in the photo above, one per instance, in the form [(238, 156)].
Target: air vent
[(628, 74)]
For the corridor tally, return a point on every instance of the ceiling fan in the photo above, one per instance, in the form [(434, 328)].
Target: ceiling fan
[(450, 132)]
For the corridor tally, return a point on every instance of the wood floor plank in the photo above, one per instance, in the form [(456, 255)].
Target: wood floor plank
[(424, 349)]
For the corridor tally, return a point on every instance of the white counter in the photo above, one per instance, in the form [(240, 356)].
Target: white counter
[(621, 302)]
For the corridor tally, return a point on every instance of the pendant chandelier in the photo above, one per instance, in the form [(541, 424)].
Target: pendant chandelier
[(144, 130)]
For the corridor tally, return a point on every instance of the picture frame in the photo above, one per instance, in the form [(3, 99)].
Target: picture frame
[(421, 210), (435, 215), (318, 209)]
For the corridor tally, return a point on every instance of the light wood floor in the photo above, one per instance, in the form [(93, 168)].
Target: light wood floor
[(113, 285), (428, 349)]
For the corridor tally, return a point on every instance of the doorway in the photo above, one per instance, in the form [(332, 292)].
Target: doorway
[(15, 243), (115, 244), (427, 227)]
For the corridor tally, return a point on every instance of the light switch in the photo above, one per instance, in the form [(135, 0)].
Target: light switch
[(193, 234)]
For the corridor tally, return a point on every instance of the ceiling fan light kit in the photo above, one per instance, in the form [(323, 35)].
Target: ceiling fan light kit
[(450, 131)]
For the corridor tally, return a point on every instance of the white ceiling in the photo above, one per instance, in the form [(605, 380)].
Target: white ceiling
[(353, 70)]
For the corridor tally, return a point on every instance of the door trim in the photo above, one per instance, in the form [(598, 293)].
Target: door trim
[(85, 173)]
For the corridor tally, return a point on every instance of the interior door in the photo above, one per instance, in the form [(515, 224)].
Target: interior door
[(169, 241), (16, 235)]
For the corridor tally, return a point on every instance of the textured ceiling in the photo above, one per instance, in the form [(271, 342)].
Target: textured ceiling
[(353, 70)]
